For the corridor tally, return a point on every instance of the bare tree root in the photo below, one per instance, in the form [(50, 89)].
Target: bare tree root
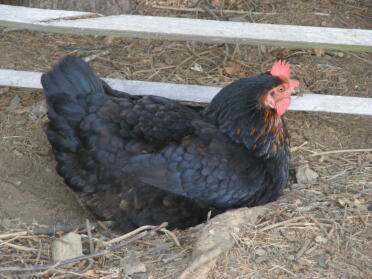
[(217, 235), (216, 239)]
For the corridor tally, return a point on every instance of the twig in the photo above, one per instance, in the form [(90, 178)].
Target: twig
[(51, 230), (312, 249), (151, 70), (295, 148), (321, 14), (39, 252), (84, 257), (210, 12), (284, 269), (9, 235), (198, 56), (303, 248), (361, 217), (89, 266), (95, 240), (346, 5), (130, 234), (281, 223), (87, 48), (361, 58), (94, 56), (208, 216), (18, 247), (89, 232), (319, 225), (175, 256), (105, 225), (341, 151), (172, 235)]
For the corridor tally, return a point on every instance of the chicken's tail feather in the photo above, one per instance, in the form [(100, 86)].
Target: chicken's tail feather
[(71, 76), (68, 89), (77, 127)]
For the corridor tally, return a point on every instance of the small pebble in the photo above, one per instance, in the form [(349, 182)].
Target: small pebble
[(261, 259), (18, 154), (320, 239), (260, 252), (304, 262), (67, 247), (305, 175), (321, 260), (131, 265), (197, 67)]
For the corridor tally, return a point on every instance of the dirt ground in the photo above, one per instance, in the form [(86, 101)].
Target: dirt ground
[(321, 231)]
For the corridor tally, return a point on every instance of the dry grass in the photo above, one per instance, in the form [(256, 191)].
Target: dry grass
[(306, 234), (306, 239)]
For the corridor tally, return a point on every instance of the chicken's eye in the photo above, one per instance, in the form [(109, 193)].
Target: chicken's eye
[(281, 89)]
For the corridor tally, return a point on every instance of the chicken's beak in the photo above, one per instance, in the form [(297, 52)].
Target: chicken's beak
[(294, 85), (297, 92)]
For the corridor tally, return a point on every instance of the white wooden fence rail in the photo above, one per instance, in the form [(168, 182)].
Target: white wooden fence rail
[(185, 29), (190, 29), (202, 94)]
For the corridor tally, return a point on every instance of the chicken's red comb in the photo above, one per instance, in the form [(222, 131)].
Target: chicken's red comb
[(281, 69)]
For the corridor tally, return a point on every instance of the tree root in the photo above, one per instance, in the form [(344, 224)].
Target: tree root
[(216, 236), (216, 239)]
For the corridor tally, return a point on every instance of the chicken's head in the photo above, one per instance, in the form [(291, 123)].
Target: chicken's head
[(249, 99), (279, 97)]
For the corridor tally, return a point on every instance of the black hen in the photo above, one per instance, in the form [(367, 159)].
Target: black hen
[(146, 159)]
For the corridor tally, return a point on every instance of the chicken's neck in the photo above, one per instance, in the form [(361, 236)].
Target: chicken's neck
[(261, 130), (237, 111)]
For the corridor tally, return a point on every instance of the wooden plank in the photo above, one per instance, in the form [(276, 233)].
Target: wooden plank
[(149, 27), (202, 94), (18, 14)]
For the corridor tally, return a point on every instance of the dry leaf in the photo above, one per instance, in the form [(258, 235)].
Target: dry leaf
[(4, 90), (91, 272), (196, 67), (232, 68), (297, 268), (350, 202), (22, 110), (319, 52), (305, 175)]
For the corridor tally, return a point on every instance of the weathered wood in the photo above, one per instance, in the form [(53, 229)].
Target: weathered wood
[(201, 94), (150, 27), (14, 16), (106, 7)]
